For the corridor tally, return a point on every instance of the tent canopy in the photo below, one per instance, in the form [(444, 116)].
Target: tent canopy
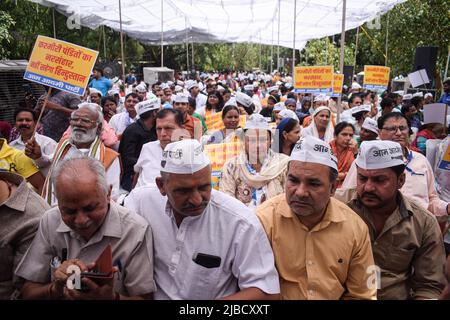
[(208, 21)]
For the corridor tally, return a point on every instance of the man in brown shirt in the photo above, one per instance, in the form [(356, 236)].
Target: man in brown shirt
[(190, 123), (406, 241), (20, 211)]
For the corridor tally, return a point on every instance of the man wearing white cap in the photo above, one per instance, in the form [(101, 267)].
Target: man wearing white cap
[(135, 136), (193, 88), (419, 181), (369, 131), (245, 103), (257, 173), (190, 123), (207, 245), (120, 121), (360, 113), (141, 91), (406, 240), (321, 247), (95, 96)]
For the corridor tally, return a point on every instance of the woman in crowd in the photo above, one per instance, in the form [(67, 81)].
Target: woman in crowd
[(288, 132), (213, 104), (230, 118), (343, 149), (321, 126), (257, 173), (109, 106)]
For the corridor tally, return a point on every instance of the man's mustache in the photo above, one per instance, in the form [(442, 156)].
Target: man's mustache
[(370, 195)]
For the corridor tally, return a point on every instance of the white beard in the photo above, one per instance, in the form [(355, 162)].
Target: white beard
[(78, 136)]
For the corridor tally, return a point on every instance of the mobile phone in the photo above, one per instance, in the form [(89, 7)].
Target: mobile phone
[(207, 260)]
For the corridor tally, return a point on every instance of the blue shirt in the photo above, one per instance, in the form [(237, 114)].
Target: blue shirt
[(103, 85), (445, 99)]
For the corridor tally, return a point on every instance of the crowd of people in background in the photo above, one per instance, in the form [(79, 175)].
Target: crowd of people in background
[(313, 204)]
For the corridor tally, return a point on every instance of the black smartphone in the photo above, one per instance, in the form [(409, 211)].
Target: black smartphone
[(207, 260)]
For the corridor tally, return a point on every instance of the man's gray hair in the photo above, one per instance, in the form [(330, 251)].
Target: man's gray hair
[(94, 108), (72, 167)]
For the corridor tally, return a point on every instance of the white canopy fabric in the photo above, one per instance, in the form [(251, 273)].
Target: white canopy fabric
[(207, 21)]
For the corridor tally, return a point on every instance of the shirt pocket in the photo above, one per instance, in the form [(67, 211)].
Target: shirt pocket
[(400, 259), (204, 281)]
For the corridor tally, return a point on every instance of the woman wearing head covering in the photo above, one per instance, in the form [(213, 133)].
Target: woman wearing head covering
[(343, 149), (257, 173), (287, 134), (321, 126)]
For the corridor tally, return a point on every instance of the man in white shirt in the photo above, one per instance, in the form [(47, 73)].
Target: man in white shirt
[(25, 123), (169, 125), (120, 121), (207, 245), (200, 99)]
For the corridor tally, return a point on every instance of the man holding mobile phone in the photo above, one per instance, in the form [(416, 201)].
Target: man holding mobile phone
[(207, 245)]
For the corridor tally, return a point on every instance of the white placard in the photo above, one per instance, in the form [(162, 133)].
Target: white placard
[(418, 78), (435, 113)]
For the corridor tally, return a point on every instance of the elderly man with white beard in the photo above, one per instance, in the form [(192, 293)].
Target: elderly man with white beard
[(86, 128)]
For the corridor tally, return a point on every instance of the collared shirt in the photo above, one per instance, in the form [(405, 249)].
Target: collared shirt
[(226, 229), (129, 235), (409, 250), (133, 138), (19, 220), (330, 261), (56, 122), (120, 121), (445, 98), (48, 146), (419, 184), (14, 160), (149, 163), (103, 84), (200, 100)]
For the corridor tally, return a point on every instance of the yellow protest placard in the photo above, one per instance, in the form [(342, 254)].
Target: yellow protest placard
[(314, 79), (218, 154), (376, 77), (59, 64), (338, 82)]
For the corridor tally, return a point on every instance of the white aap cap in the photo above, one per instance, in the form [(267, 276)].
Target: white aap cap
[(286, 113), (356, 85), (113, 92), (418, 94), (141, 88), (279, 106), (379, 155), (181, 98), (178, 88), (428, 95), (256, 121), (371, 125), (231, 102), (184, 157), (407, 96), (191, 84), (361, 108), (249, 87), (243, 99), (321, 98), (152, 103), (274, 88), (312, 149), (93, 90)]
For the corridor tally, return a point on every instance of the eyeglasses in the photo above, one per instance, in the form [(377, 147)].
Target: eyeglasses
[(84, 121), (394, 129)]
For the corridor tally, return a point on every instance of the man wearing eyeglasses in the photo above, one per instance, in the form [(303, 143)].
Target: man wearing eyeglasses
[(86, 128), (419, 180)]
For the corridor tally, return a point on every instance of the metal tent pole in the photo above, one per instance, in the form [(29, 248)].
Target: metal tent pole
[(162, 33), (341, 63), (121, 41), (295, 29)]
